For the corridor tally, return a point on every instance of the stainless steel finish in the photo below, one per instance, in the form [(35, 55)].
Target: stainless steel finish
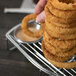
[(33, 24), (37, 58)]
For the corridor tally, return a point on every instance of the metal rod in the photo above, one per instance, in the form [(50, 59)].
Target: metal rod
[(12, 48), (7, 47), (68, 72), (40, 73)]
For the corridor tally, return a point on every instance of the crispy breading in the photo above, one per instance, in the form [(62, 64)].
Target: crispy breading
[(52, 56), (60, 30), (60, 36), (69, 14), (53, 18), (64, 4), (51, 49), (25, 29)]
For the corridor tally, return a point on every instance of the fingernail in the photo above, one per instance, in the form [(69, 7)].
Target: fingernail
[(37, 19)]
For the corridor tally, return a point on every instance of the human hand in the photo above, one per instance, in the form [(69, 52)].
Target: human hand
[(40, 10)]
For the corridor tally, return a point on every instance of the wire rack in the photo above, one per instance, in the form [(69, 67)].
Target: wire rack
[(34, 54)]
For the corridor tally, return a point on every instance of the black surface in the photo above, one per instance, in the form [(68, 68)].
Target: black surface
[(12, 64)]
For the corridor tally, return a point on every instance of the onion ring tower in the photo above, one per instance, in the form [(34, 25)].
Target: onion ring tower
[(59, 36)]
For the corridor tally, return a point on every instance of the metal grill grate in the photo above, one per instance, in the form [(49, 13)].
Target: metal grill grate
[(34, 54)]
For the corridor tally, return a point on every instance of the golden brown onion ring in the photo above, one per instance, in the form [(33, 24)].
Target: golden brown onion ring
[(60, 30), (61, 13), (51, 49), (60, 36), (66, 65), (57, 61), (61, 44), (56, 19), (62, 24), (53, 57), (25, 29), (65, 5)]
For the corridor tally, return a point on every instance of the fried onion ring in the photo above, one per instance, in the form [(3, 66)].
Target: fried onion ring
[(51, 49), (57, 61), (60, 44), (62, 24), (25, 29), (63, 64), (64, 4), (56, 49), (61, 13), (60, 36), (60, 30), (56, 19), (66, 65), (53, 57)]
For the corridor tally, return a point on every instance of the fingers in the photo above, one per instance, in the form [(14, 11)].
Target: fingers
[(40, 6), (41, 17)]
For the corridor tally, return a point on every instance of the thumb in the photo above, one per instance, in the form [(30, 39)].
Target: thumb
[(41, 17)]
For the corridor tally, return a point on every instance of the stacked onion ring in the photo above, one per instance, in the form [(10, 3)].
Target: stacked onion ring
[(59, 36)]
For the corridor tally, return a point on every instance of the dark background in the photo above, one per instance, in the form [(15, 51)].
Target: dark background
[(12, 63)]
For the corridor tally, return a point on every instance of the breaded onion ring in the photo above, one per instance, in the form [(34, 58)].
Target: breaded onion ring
[(54, 50), (63, 64), (61, 36), (66, 65), (53, 57), (62, 24), (56, 19), (51, 49), (60, 44), (61, 13), (25, 29), (64, 4), (60, 30), (57, 61)]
